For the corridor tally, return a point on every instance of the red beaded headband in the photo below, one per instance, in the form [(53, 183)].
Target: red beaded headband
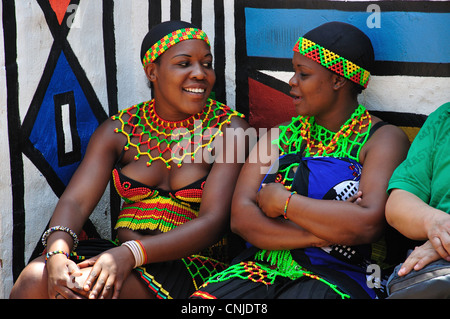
[(171, 39), (332, 61)]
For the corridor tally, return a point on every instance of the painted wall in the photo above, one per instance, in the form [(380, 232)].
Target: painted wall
[(66, 65)]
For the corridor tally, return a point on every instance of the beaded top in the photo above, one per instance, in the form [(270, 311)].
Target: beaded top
[(171, 141), (304, 133), (321, 141), (150, 208)]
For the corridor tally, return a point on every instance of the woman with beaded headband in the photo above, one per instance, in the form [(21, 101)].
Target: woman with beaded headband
[(311, 217), (176, 197)]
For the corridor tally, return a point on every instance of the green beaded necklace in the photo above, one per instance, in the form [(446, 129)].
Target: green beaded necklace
[(322, 142)]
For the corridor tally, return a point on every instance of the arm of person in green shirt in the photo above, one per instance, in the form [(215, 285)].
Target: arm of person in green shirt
[(417, 193), (417, 220)]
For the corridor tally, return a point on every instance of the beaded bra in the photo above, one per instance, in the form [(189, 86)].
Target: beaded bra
[(172, 141), (150, 208)]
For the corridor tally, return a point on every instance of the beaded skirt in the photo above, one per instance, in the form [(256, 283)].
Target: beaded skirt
[(249, 278)]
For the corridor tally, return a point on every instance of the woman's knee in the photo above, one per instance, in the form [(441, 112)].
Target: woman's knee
[(32, 282)]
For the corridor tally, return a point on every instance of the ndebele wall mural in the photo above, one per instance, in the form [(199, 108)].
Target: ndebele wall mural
[(67, 65)]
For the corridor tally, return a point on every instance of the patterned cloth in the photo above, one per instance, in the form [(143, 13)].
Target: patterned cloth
[(335, 272)]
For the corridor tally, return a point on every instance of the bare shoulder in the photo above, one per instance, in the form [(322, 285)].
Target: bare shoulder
[(238, 122), (388, 131), (388, 141), (107, 137)]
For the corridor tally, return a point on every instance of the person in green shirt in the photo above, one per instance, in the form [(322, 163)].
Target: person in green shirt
[(419, 201)]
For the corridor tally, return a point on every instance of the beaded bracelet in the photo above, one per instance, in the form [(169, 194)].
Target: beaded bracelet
[(52, 253), (138, 251), (49, 231), (286, 204)]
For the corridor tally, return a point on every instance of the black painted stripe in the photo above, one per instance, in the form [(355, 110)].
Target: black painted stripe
[(13, 116), (380, 67)]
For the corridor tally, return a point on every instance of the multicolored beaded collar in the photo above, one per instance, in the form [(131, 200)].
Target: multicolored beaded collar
[(332, 61), (171, 39), (171, 141), (321, 141)]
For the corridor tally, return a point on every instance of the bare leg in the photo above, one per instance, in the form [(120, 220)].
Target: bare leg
[(32, 282), (134, 288)]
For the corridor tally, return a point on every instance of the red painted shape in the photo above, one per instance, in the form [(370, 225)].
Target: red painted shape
[(268, 107), (60, 8)]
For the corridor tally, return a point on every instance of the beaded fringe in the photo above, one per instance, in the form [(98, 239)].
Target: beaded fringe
[(159, 213), (281, 264)]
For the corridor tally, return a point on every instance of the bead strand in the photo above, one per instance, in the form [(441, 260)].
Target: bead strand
[(56, 252), (286, 204), (51, 230)]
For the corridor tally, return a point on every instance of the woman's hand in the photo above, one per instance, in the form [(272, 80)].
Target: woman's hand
[(108, 273), (271, 199), (61, 274), (355, 198), (419, 258), (439, 234)]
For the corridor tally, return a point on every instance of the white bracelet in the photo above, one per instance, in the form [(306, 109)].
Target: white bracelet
[(138, 251)]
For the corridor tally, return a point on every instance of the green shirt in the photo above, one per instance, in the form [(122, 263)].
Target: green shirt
[(426, 170)]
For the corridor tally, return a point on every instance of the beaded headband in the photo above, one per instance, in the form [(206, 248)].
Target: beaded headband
[(171, 39), (332, 61)]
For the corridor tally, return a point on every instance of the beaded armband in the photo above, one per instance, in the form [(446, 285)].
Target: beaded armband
[(60, 228), (286, 204), (56, 252)]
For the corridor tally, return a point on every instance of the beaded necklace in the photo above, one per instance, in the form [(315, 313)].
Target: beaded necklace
[(317, 141), (320, 141), (172, 141)]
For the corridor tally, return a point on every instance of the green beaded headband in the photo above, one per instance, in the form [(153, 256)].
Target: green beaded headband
[(171, 39), (332, 61)]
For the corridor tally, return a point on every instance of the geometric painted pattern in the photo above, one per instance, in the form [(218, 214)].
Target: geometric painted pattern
[(63, 114), (64, 122), (65, 110)]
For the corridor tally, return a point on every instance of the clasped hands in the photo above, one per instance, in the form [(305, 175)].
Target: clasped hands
[(99, 277)]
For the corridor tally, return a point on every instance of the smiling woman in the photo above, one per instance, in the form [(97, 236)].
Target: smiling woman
[(171, 232), (182, 79)]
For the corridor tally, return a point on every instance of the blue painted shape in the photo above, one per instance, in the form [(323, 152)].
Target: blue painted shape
[(43, 134), (403, 36)]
